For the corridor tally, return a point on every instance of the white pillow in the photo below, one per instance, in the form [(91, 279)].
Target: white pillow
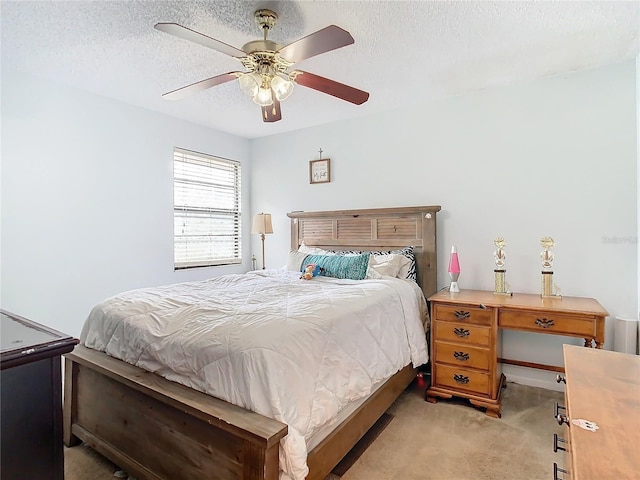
[(391, 265), (371, 272), (313, 250), (294, 263)]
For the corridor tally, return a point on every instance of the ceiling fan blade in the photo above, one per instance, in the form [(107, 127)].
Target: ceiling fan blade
[(272, 113), (193, 36), (325, 40), (201, 85), (331, 87)]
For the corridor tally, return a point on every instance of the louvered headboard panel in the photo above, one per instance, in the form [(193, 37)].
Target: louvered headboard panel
[(374, 229)]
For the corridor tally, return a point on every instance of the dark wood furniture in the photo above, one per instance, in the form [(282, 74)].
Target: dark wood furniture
[(157, 429), (602, 387), (31, 399), (466, 342)]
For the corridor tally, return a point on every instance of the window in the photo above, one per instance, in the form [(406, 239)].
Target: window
[(206, 210)]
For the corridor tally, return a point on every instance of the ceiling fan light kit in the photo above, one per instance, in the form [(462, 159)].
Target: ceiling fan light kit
[(281, 87), (267, 79)]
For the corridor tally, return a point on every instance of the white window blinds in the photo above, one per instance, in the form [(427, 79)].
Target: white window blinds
[(206, 210)]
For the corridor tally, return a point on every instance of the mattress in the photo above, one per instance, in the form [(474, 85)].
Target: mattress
[(294, 350)]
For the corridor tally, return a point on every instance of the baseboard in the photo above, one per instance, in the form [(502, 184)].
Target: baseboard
[(549, 384)]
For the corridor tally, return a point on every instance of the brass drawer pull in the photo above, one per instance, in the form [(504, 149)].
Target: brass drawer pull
[(556, 440), (463, 357), (461, 332), (462, 315), (544, 323), (461, 379)]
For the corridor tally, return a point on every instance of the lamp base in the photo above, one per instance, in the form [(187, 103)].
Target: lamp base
[(454, 288)]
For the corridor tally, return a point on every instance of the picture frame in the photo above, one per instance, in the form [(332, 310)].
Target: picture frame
[(320, 171)]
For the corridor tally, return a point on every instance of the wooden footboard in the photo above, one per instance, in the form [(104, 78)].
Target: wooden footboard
[(157, 429)]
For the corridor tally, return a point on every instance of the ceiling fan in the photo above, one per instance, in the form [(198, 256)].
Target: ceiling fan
[(267, 78)]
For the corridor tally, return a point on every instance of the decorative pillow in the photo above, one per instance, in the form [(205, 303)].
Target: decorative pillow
[(392, 265), (353, 267), (371, 273), (409, 272), (294, 263)]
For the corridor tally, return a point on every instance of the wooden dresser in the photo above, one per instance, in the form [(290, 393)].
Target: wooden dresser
[(31, 388), (602, 387), (466, 341)]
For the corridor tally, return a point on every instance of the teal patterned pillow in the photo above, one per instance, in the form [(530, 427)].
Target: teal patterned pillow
[(353, 267)]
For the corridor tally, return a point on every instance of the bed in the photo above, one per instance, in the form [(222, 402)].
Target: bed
[(155, 428)]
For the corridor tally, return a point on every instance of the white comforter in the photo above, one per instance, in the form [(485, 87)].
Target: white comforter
[(287, 348)]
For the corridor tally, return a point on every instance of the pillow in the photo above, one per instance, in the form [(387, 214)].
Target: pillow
[(294, 263), (319, 251), (409, 271), (313, 250), (392, 265), (353, 267)]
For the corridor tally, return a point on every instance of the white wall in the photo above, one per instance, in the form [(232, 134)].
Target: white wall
[(87, 199), (87, 191), (638, 192), (554, 157)]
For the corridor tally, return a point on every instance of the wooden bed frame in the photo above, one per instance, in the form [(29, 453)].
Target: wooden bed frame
[(157, 429)]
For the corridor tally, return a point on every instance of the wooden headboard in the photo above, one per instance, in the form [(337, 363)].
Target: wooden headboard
[(374, 229)]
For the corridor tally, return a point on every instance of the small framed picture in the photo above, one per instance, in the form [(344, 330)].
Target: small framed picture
[(320, 171)]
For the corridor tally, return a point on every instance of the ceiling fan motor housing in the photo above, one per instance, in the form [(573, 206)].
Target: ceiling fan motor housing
[(261, 46)]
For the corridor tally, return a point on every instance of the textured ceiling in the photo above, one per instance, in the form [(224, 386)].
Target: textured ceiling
[(405, 53)]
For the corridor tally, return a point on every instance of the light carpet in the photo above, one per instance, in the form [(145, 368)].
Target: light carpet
[(425, 441)]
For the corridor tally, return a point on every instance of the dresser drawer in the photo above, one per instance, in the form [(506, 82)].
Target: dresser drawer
[(463, 313), (461, 333), (463, 379), (548, 322), (462, 355)]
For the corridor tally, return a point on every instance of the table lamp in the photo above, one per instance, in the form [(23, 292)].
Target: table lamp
[(454, 270)]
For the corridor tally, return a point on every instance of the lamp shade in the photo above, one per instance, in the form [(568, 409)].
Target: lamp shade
[(250, 83), (281, 87), (262, 223), (454, 264), (264, 97)]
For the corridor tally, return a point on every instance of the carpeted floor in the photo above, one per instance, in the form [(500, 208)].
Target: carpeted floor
[(442, 441)]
